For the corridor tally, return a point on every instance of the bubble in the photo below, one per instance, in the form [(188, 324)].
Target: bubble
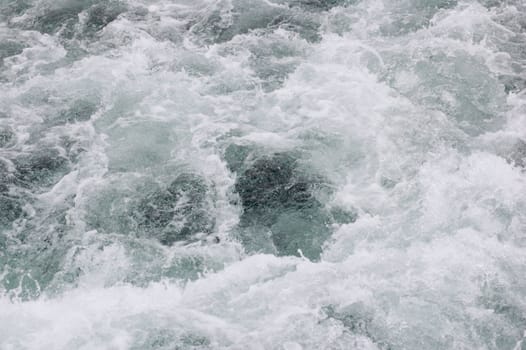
[(100, 15), (7, 136), (10, 209), (177, 212), (10, 48), (42, 167), (273, 195)]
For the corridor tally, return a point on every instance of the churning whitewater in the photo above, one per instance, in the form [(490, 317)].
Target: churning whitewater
[(262, 174)]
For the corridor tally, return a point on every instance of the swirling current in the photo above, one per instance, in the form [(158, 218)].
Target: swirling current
[(263, 174)]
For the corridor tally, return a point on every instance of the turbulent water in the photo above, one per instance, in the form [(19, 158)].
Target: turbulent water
[(263, 174)]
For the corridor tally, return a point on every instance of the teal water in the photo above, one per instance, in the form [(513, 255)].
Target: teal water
[(263, 174)]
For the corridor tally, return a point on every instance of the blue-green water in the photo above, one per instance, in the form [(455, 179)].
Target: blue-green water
[(262, 174)]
